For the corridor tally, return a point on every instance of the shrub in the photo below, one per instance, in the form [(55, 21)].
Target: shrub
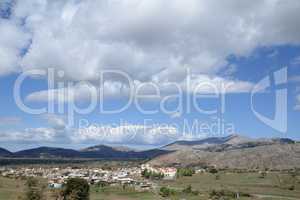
[(151, 175), (292, 187), (189, 190), (76, 189), (166, 192), (185, 172), (213, 170), (34, 189)]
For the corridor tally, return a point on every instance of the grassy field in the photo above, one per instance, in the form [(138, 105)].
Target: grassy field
[(274, 186), (11, 189), (117, 193)]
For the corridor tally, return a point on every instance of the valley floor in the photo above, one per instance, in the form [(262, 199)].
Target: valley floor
[(273, 186)]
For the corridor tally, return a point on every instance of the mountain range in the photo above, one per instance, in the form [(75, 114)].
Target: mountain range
[(94, 152), (233, 151)]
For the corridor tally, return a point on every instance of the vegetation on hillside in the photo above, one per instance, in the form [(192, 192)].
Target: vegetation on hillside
[(152, 175), (185, 172)]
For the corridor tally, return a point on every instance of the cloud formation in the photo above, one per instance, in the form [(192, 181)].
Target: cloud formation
[(29, 135), (152, 41), (149, 39), (193, 84), (55, 121), (127, 134), (105, 134)]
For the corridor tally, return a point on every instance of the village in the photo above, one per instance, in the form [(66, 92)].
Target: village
[(57, 176)]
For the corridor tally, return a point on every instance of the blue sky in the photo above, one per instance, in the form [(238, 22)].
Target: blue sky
[(152, 46)]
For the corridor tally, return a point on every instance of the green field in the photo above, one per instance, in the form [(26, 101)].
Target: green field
[(274, 186)]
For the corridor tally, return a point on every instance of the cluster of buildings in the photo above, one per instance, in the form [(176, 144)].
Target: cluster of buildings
[(57, 176), (168, 172)]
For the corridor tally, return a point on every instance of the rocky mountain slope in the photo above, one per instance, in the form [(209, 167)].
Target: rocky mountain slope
[(233, 152)]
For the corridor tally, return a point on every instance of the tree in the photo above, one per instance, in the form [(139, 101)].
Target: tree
[(185, 172), (152, 175), (165, 192), (213, 170), (34, 189), (76, 189)]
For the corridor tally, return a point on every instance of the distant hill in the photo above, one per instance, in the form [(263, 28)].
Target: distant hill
[(233, 152), (102, 151), (4, 152), (95, 152), (47, 152)]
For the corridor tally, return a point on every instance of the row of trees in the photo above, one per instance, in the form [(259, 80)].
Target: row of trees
[(166, 191), (185, 172), (152, 175)]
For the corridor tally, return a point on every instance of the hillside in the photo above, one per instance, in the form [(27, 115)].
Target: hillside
[(4, 152), (207, 142), (234, 152), (102, 151), (47, 152)]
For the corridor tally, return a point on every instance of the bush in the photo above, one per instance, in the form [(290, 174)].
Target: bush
[(152, 175), (292, 187), (34, 189), (166, 192), (189, 190), (76, 189), (185, 172), (213, 170)]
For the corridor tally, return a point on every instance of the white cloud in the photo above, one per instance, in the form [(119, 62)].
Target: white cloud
[(79, 92), (29, 135), (106, 134), (217, 85), (115, 89), (12, 40), (127, 134), (56, 130), (55, 121), (145, 38)]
